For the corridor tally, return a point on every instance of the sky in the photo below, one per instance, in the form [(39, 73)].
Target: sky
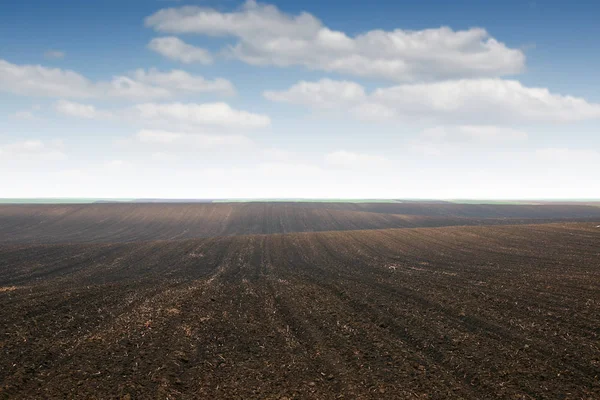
[(299, 99)]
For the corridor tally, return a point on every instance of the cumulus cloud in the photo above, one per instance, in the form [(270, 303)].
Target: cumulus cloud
[(441, 140), (32, 151), (490, 99), (466, 101), (152, 136), (80, 110), (37, 80), (325, 93), (347, 159), (267, 36), (474, 133), (128, 88), (488, 133), (181, 81), (191, 140), (220, 115), (176, 49), (189, 117)]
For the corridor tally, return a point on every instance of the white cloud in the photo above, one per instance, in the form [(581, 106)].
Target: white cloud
[(190, 141), (37, 80), (128, 88), (80, 110), (474, 133), (176, 49), (486, 100), (181, 81), (325, 93), (347, 159), (467, 101), (151, 136), (488, 133), (267, 36), (165, 117), (32, 151), (24, 115), (442, 140), (219, 115), (370, 111), (54, 54), (427, 149)]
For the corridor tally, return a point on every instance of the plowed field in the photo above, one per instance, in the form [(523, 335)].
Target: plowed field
[(476, 311), (111, 223)]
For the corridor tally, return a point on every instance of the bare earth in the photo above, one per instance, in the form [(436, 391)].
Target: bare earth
[(300, 301)]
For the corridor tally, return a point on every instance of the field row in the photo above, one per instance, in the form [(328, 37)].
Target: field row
[(115, 223), (456, 312)]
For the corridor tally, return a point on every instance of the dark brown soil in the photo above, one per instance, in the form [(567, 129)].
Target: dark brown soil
[(93, 223), (466, 312)]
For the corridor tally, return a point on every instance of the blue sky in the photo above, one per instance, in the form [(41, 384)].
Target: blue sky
[(432, 99)]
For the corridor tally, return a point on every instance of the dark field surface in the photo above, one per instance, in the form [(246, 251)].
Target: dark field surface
[(73, 223), (472, 311)]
